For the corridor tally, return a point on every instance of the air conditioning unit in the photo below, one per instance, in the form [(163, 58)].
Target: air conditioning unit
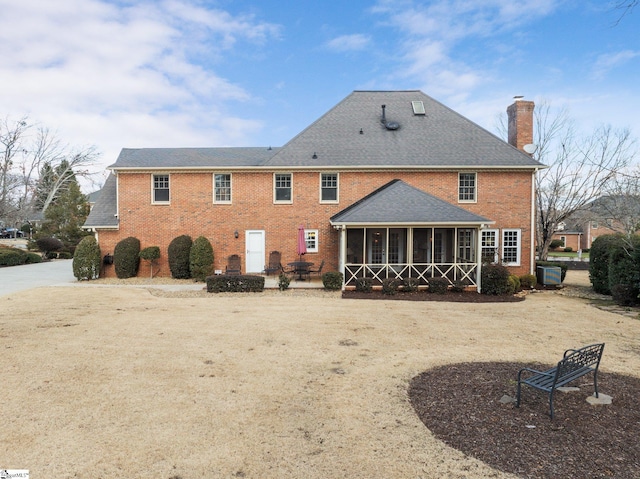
[(549, 275)]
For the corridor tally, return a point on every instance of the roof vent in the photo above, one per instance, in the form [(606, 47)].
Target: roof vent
[(418, 107), (389, 125)]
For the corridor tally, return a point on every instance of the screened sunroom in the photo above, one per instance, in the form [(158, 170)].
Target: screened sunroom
[(401, 232)]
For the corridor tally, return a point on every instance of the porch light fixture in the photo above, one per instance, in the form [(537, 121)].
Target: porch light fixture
[(236, 234)]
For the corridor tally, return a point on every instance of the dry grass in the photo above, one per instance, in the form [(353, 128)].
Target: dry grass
[(119, 382)]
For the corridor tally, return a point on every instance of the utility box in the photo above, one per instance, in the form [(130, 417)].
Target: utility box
[(549, 275)]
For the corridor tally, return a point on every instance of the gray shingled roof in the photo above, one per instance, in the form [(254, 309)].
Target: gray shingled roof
[(398, 202), (103, 213), (159, 158), (439, 138)]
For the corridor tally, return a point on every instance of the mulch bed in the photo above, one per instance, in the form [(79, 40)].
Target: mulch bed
[(453, 297), (460, 404)]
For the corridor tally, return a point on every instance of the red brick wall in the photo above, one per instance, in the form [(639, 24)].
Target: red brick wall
[(504, 197)]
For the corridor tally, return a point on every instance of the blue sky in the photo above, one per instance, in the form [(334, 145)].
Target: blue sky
[(118, 73)]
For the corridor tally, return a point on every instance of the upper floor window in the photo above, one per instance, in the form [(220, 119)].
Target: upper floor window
[(222, 188), (467, 187), (282, 185), (160, 188), (329, 187), (511, 247)]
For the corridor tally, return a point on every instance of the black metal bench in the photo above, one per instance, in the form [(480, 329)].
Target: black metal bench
[(575, 364)]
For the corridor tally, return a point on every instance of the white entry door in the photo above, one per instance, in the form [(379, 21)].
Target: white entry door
[(255, 250)]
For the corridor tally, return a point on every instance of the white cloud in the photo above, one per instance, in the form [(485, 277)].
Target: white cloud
[(607, 62), (346, 43), (116, 74)]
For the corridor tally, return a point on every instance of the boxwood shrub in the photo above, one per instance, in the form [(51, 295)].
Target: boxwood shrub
[(332, 280), (126, 257), (438, 285), (599, 261), (12, 257), (178, 254), (390, 286), (86, 259), (364, 285), (201, 258), (495, 279), (235, 284)]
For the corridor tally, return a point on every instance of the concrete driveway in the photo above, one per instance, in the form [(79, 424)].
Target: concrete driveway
[(19, 278)]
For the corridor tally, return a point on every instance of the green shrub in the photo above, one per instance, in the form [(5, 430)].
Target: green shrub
[(178, 253), (459, 286), (528, 281), (235, 284), (332, 280), (495, 279), (126, 257), (283, 282), (568, 249), (33, 258), (65, 254), (48, 245), (410, 285), (558, 264), (438, 285), (86, 260), (12, 257), (599, 262), (51, 255), (556, 243), (364, 285), (150, 254), (390, 286), (201, 259), (514, 283), (586, 250), (625, 294)]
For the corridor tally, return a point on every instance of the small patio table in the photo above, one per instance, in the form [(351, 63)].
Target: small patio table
[(301, 268)]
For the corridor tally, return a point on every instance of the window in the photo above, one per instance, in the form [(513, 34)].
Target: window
[(489, 246), (311, 238), (329, 187), (160, 188), (467, 187), (564, 241), (222, 188), (282, 184), (511, 247)]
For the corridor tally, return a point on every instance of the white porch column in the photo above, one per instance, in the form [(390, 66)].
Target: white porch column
[(479, 260), (342, 253)]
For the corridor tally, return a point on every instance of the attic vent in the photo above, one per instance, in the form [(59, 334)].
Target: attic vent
[(418, 107)]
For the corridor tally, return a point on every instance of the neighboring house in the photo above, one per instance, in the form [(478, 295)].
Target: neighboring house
[(385, 184), (603, 216)]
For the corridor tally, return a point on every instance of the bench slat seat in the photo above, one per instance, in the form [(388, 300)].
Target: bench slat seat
[(575, 364)]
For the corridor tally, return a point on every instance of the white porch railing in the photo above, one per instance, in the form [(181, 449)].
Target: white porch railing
[(453, 272)]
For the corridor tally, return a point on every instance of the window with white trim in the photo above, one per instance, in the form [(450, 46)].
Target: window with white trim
[(160, 189), (329, 187), (511, 247), (282, 185), (311, 239), (466, 187), (222, 188), (466, 245), (489, 246)]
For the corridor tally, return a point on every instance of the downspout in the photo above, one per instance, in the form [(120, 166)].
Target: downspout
[(342, 256), (532, 255)]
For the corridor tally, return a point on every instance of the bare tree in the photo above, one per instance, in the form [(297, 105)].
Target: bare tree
[(626, 6), (580, 169), (24, 156), (620, 208)]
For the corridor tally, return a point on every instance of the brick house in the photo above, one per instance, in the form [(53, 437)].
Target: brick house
[(386, 184)]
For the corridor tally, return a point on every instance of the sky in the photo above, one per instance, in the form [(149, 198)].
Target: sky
[(119, 74)]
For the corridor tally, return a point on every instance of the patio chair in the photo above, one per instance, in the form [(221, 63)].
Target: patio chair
[(317, 271), (274, 266), (233, 265)]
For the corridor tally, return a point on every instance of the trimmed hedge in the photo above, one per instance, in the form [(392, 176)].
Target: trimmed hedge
[(86, 259), (179, 252), (390, 286), (12, 257), (332, 280), (599, 262), (126, 257), (235, 284), (438, 285), (495, 279), (48, 245), (364, 285), (201, 259)]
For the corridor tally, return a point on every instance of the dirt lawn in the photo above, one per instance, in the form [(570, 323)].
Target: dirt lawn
[(126, 382)]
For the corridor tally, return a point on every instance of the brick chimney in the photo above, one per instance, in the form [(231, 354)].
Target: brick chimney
[(520, 126)]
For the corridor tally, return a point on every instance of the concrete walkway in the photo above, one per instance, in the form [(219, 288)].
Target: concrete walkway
[(20, 278)]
